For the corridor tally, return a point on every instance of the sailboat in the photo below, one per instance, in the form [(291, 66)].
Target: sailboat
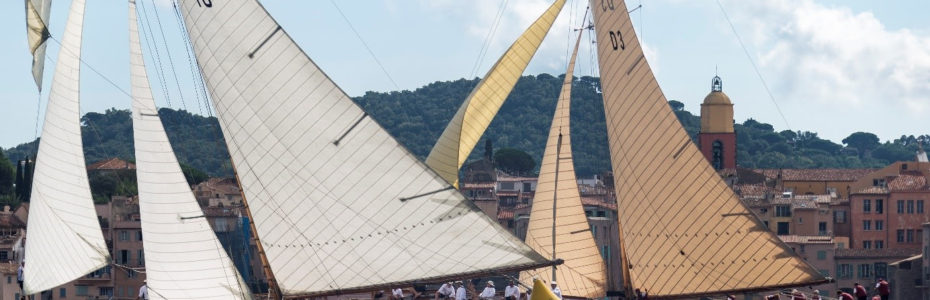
[(558, 226), (683, 232)]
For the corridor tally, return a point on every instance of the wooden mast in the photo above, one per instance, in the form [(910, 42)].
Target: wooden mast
[(274, 292)]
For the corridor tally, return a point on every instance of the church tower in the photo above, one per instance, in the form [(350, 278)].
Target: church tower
[(717, 139)]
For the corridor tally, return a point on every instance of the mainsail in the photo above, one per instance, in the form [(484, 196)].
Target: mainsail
[(65, 241), (476, 113), (37, 13), (338, 204), (583, 274), (683, 232), (183, 257)]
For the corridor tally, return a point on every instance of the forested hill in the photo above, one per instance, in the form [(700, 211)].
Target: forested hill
[(418, 117)]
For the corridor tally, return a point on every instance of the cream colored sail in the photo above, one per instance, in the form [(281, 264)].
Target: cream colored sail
[(37, 13), (64, 237), (183, 257), (338, 204), (476, 113), (683, 231), (583, 274)]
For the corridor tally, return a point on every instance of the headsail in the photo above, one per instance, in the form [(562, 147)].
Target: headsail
[(683, 231), (64, 237), (476, 113), (170, 214), (37, 13), (338, 204), (583, 274)]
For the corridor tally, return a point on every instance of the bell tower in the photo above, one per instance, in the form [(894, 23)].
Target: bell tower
[(717, 139)]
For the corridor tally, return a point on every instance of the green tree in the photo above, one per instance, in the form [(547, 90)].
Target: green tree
[(676, 105), (864, 142), (7, 176), (514, 161), (193, 175)]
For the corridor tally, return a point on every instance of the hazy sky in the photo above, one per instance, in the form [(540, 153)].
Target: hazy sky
[(834, 67)]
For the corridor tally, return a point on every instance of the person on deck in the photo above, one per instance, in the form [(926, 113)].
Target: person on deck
[(556, 290), (883, 289), (460, 291), (816, 295), (844, 296), (511, 292), (488, 292), (860, 292), (641, 295), (143, 291), (445, 291), (772, 297), (397, 294), (797, 295)]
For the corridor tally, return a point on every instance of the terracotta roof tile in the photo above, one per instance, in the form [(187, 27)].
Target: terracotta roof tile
[(505, 215), (872, 190), (112, 164), (868, 253), (904, 183), (806, 239), (816, 174), (596, 201)]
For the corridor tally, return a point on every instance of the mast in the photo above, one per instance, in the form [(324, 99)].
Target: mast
[(555, 197), (274, 292)]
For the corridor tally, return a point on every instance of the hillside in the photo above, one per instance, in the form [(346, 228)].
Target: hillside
[(418, 117)]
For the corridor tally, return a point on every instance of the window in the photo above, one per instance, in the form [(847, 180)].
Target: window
[(900, 236), (821, 255), (879, 244), (910, 206), (782, 228), (866, 244), (587, 213), (766, 223), (866, 206), (900, 206), (879, 206), (839, 216), (920, 206), (123, 235), (844, 271), (879, 225), (131, 273), (105, 291), (507, 186), (80, 290), (910, 235), (593, 230), (881, 270), (822, 228), (4, 256), (601, 213), (865, 270), (141, 258), (717, 154), (62, 293), (124, 257), (139, 235), (782, 210), (867, 225), (800, 220), (527, 187)]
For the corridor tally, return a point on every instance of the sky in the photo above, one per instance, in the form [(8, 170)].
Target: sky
[(833, 67)]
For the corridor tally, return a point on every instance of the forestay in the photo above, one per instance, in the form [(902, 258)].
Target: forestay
[(683, 231), (183, 257), (37, 13), (476, 113), (64, 237), (338, 204), (583, 274)]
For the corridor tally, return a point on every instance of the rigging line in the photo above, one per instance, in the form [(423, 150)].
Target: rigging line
[(38, 112), (199, 88), (168, 52), (153, 49), (487, 39), (105, 78), (754, 66), (359, 36)]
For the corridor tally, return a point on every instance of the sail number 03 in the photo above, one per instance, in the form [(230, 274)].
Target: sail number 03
[(207, 3), (616, 37)]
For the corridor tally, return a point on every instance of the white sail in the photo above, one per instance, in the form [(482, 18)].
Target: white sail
[(64, 237), (338, 204), (183, 257), (37, 12)]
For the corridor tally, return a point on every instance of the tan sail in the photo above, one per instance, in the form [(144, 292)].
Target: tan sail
[(476, 113), (37, 12), (583, 273), (683, 231)]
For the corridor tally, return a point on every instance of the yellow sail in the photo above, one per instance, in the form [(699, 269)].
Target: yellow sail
[(583, 273), (476, 113), (683, 232), (542, 292)]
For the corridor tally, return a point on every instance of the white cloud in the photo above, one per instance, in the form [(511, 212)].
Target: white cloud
[(835, 56)]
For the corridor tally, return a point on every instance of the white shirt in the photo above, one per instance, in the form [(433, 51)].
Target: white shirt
[(398, 293), (557, 292), (446, 290), (511, 290), (460, 293), (487, 293), (144, 292)]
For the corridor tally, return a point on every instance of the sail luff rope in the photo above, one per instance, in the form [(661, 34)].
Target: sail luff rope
[(372, 53), (487, 39), (153, 50), (196, 76), (174, 72)]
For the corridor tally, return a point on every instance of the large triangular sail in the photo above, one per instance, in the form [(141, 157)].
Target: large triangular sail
[(64, 237), (171, 217), (683, 231), (583, 274), (476, 113), (338, 204), (37, 13)]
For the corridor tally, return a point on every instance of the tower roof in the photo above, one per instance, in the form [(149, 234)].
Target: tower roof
[(716, 95)]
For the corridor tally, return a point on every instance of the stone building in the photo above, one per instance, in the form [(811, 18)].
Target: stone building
[(888, 207)]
